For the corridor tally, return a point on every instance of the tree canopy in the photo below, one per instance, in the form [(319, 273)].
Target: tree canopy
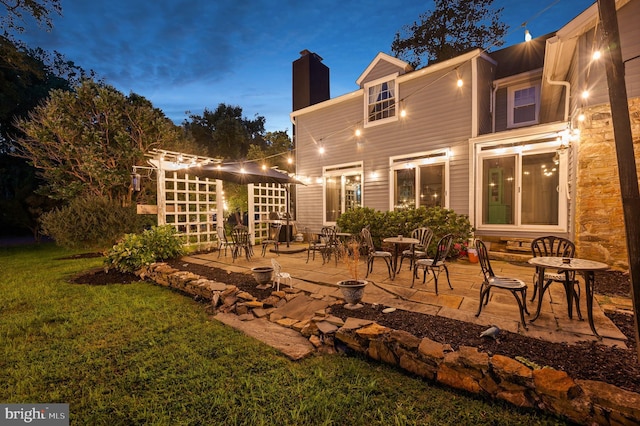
[(87, 141), (452, 28), (225, 132), (17, 10)]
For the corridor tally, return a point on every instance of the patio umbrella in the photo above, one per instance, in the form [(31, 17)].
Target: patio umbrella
[(241, 173)]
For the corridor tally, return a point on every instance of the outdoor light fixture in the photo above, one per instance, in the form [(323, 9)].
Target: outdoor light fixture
[(135, 181), (527, 35)]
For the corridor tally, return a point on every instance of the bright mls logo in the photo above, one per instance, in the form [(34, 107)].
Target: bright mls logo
[(37, 414)]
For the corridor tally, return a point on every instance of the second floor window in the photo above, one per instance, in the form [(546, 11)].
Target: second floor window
[(524, 103), (381, 101)]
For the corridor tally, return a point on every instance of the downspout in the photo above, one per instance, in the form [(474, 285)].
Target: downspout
[(493, 108), (567, 86)]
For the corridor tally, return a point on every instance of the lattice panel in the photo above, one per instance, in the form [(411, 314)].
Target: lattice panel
[(191, 207), (266, 198)]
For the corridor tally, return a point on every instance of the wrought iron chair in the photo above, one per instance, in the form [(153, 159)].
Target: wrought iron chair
[(556, 247), (373, 254), (241, 241), (517, 287), (435, 264), (273, 238), (315, 244), (419, 251), (223, 242), (331, 244), (279, 276)]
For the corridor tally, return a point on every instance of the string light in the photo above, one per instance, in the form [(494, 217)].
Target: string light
[(596, 55), (585, 94), (358, 133)]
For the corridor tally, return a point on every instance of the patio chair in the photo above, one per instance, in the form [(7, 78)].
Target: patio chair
[(241, 241), (273, 238), (315, 244), (517, 287), (435, 264), (556, 247), (331, 244), (373, 254), (279, 276), (223, 242), (423, 234)]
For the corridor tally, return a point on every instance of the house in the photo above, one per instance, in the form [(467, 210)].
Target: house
[(505, 137)]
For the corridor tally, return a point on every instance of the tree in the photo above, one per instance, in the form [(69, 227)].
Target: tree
[(225, 132), (452, 28), (85, 143), (277, 151), (40, 10)]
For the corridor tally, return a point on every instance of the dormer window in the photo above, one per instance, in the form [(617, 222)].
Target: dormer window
[(524, 105), (381, 101)]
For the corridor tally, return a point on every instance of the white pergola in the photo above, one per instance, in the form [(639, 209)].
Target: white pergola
[(194, 205)]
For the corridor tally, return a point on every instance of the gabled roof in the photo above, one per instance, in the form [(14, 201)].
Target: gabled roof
[(520, 58), (402, 65)]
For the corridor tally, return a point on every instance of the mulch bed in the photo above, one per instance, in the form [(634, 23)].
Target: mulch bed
[(586, 360)]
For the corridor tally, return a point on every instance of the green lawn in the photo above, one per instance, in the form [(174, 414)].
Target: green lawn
[(142, 354)]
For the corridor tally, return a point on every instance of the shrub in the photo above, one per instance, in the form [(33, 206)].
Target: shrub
[(90, 222), (138, 250), (385, 224)]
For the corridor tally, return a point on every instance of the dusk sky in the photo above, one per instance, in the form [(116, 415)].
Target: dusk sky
[(191, 55)]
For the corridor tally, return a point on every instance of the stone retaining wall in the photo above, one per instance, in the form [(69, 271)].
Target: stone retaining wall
[(497, 376)]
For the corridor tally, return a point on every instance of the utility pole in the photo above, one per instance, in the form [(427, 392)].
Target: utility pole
[(624, 148)]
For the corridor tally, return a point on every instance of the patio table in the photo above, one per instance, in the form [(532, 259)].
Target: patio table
[(397, 241), (582, 266)]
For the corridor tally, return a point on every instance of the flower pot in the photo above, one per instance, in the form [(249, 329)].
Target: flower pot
[(262, 274), (473, 255), (352, 290)]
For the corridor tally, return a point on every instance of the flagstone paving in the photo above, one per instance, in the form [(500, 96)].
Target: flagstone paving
[(461, 302)]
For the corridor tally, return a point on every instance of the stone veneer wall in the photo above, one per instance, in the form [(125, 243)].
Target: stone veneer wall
[(600, 232), (497, 376)]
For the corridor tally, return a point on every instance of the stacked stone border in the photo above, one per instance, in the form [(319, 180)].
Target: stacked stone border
[(497, 376)]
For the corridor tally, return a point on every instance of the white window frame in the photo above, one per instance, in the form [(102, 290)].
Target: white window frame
[(520, 149), (340, 171), (414, 161), (511, 93), (388, 79)]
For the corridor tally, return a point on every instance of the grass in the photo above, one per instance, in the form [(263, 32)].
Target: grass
[(142, 354)]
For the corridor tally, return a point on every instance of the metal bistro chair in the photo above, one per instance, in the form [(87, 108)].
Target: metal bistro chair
[(241, 241), (556, 247), (315, 244), (223, 242), (273, 238), (420, 250), (279, 276), (435, 264), (373, 254), (331, 244), (517, 287)]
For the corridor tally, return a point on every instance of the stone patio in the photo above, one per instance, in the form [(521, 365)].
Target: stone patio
[(461, 303)]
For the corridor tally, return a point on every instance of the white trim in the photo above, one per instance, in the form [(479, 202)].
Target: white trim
[(511, 91), (344, 169), (386, 58), (541, 143), (414, 161), (386, 79)]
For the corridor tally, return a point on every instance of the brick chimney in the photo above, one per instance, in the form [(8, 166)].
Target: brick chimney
[(310, 80)]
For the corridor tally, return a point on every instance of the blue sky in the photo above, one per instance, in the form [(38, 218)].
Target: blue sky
[(191, 55)]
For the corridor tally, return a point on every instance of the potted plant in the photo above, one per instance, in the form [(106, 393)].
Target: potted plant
[(352, 289), (262, 274)]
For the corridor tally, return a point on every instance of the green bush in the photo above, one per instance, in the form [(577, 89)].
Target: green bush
[(138, 250), (385, 224), (90, 222)]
